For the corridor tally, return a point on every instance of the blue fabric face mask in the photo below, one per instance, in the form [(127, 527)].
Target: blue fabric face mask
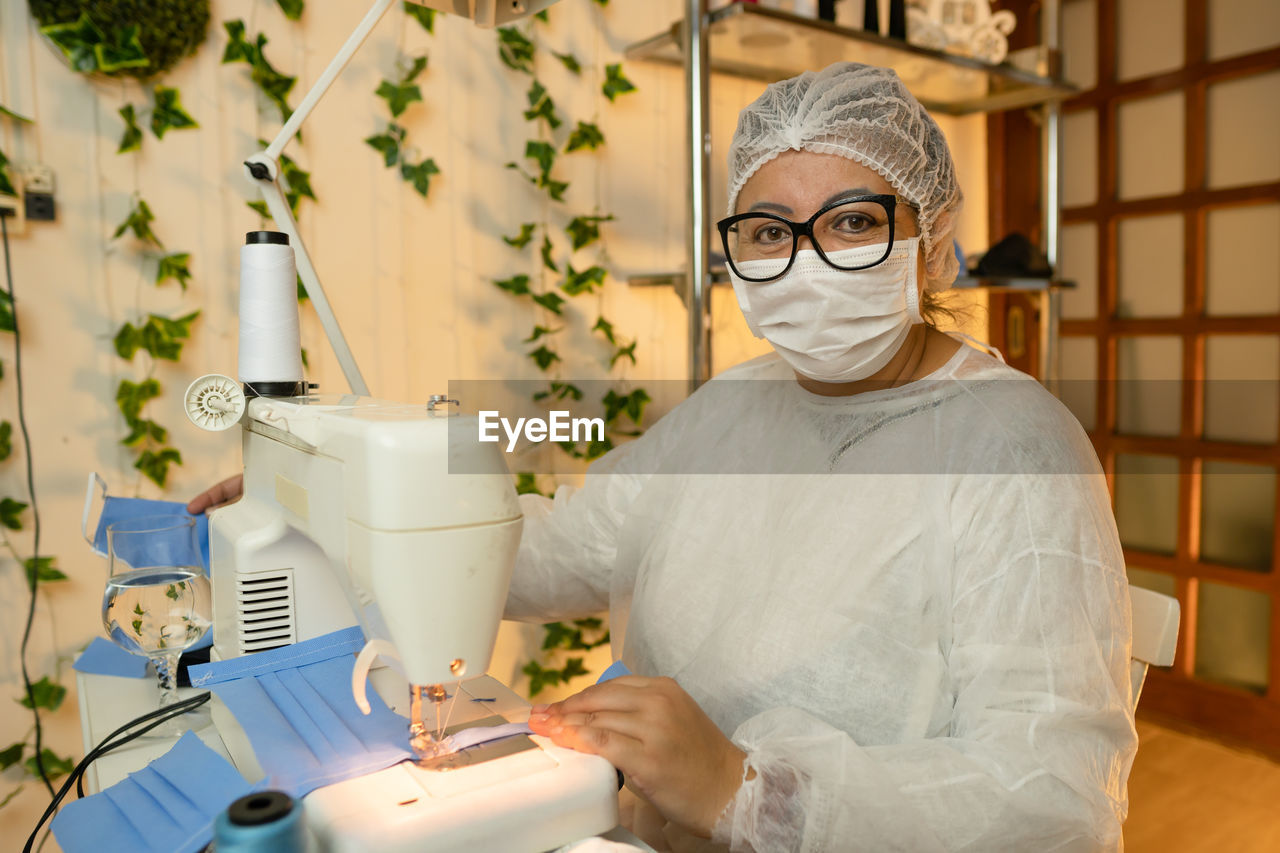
[(169, 805), (122, 509), (296, 706)]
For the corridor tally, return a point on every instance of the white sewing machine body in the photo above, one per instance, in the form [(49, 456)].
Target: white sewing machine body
[(350, 514)]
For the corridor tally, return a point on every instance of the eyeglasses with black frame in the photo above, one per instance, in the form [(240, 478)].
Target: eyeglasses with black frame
[(848, 223)]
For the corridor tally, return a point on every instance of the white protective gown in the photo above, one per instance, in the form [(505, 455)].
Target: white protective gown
[(908, 607)]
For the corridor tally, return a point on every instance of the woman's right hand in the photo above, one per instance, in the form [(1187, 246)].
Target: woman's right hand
[(226, 492)]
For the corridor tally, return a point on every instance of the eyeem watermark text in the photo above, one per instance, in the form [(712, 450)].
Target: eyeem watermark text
[(559, 427)]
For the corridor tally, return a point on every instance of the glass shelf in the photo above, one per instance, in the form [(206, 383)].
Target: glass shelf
[(766, 44)]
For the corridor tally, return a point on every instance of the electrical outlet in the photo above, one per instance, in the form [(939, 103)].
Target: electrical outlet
[(38, 193)]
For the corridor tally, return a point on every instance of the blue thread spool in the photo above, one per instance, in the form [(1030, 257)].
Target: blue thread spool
[(265, 822)]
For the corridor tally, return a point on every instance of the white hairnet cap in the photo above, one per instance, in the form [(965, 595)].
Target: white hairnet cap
[(864, 113)]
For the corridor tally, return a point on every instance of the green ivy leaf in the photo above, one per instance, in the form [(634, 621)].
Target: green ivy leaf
[(538, 331), (605, 328), (155, 464), (123, 50), (585, 281), (8, 320), (547, 260), (515, 50), (522, 239), (6, 440), (11, 755), (555, 189), (53, 765), (132, 396), (175, 266), (572, 669), (543, 357), (517, 284), (585, 135), (5, 111), (543, 153), (615, 83), (6, 184), (568, 60), (398, 96), (388, 144), (550, 300), (132, 138), (46, 694), (415, 68), (602, 2), (541, 106), (292, 8), (585, 230), (424, 16), (259, 207), (143, 430), (41, 569), (543, 16), (161, 337), (237, 49), (526, 484), (168, 114), (272, 83), (632, 405), (560, 390), (139, 222), (628, 351), (11, 512), (420, 175), (77, 40)]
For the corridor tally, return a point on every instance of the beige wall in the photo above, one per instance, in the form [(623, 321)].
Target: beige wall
[(407, 277)]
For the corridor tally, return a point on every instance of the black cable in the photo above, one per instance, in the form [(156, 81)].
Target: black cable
[(35, 512), (154, 718)]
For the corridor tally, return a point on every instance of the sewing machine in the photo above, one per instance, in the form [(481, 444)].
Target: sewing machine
[(350, 514)]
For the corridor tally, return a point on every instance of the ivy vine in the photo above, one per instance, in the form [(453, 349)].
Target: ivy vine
[(562, 274), (399, 93)]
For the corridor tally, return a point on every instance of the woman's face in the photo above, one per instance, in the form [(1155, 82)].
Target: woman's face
[(797, 184)]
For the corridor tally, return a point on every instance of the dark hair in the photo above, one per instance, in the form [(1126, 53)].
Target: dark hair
[(936, 306)]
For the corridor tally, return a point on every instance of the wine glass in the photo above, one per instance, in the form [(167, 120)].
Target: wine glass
[(157, 601)]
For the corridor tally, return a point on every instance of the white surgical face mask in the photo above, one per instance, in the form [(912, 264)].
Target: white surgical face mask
[(828, 324)]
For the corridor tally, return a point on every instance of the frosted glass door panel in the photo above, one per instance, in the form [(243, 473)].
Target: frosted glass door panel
[(1151, 266), (1161, 582), (1150, 145), (1242, 388), (1147, 502), (1232, 633), (1244, 130), (1149, 391), (1243, 260), (1242, 26), (1238, 509), (1080, 42), (1150, 36), (1079, 252), (1079, 158), (1078, 389)]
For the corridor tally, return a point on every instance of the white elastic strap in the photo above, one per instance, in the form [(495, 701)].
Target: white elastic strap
[(360, 674), (982, 345)]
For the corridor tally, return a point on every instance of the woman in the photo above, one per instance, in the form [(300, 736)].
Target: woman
[(870, 585)]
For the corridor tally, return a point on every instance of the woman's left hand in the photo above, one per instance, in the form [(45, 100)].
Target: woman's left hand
[(666, 746)]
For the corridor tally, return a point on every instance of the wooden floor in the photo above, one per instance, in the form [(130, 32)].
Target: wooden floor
[(1188, 794)]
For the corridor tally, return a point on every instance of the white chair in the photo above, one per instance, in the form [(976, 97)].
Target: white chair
[(1155, 634)]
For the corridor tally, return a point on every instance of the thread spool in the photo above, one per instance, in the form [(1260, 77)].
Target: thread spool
[(270, 343), (265, 822)]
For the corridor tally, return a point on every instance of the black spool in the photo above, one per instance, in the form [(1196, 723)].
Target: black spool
[(260, 808), (278, 238)]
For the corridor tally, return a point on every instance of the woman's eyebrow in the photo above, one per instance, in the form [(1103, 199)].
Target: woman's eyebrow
[(782, 208)]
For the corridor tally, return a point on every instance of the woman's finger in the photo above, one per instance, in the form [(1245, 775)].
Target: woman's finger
[(223, 493), (620, 694), (620, 722), (623, 752)]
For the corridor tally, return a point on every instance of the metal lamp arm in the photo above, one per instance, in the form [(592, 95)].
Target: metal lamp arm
[(264, 169)]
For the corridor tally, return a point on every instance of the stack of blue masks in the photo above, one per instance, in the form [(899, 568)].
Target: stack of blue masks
[(295, 705), (169, 805)]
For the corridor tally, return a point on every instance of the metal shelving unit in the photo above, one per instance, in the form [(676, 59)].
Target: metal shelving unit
[(745, 40)]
